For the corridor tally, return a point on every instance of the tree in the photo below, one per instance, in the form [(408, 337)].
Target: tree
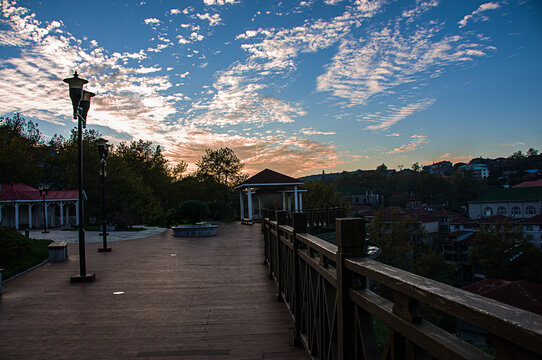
[(21, 151), (223, 165), (532, 152), (320, 194), (505, 253), (178, 170), (416, 167)]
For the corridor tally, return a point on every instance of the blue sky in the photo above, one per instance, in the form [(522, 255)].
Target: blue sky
[(296, 86)]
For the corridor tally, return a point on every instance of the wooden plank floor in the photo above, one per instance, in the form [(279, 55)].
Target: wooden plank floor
[(206, 298)]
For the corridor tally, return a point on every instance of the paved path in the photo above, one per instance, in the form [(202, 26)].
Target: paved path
[(156, 298)]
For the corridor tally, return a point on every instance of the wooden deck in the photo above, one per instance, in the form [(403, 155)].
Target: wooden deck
[(203, 298)]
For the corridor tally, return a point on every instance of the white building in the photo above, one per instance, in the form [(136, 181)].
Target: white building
[(518, 203)]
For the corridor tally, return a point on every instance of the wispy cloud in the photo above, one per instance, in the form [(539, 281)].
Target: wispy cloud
[(311, 131), (450, 157), (219, 2), (394, 56), (476, 15), (382, 121), (416, 141)]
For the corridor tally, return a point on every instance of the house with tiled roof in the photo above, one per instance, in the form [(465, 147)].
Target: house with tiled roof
[(519, 203), (533, 228), (22, 206), (516, 294)]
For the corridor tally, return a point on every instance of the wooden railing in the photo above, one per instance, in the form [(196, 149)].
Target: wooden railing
[(324, 288)]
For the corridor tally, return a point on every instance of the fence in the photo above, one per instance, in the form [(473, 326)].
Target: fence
[(324, 288)]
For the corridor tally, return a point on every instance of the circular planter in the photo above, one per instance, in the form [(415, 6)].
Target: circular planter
[(198, 230)]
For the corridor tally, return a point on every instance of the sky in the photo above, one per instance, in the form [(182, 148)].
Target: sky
[(299, 87)]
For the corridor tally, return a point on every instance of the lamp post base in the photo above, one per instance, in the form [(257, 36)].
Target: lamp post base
[(106, 249), (83, 279)]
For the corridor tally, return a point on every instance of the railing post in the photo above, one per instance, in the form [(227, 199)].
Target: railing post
[(350, 236), (281, 220), (300, 226)]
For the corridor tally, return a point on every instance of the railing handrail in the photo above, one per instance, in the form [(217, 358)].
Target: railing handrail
[(511, 329)]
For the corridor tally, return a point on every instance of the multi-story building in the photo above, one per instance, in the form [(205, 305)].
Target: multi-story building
[(477, 170), (518, 203)]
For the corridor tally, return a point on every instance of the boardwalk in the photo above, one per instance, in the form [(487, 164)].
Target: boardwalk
[(207, 298)]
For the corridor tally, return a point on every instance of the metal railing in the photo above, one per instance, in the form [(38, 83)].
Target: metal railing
[(325, 289)]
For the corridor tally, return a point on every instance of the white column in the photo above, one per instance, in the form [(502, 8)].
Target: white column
[(242, 203), (61, 214), (260, 206), (300, 201), (289, 203), (77, 212), (283, 200), (296, 206), (29, 215), (68, 215), (249, 204), (16, 216)]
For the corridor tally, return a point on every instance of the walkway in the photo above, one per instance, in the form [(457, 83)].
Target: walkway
[(207, 298)]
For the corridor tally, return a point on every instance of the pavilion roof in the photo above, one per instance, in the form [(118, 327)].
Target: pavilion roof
[(269, 177), (23, 192)]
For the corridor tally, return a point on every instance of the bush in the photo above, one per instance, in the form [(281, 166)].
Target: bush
[(192, 211), (17, 253), (221, 211)]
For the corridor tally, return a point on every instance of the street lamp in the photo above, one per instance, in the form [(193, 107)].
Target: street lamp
[(44, 190), (103, 150), (81, 104)]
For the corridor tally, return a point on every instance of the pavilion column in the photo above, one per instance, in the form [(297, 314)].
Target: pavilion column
[(300, 201), (77, 212), (289, 203), (296, 202), (61, 204), (241, 204), (16, 216), (29, 215), (283, 200), (68, 215), (250, 204)]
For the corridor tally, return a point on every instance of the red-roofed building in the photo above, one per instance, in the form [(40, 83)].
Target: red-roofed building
[(269, 182), (22, 206), (529, 184), (533, 228), (520, 294)]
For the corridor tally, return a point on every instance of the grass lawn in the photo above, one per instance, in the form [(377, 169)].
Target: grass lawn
[(18, 253)]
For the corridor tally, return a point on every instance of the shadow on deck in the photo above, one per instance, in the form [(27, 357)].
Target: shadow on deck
[(204, 298)]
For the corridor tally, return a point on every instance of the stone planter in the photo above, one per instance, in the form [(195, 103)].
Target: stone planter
[(198, 230)]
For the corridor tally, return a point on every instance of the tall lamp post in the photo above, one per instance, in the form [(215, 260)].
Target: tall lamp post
[(103, 150), (44, 190), (81, 104)]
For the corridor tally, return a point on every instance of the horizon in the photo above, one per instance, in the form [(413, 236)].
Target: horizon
[(301, 87)]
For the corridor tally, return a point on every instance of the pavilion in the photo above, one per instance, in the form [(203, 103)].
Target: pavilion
[(269, 182), (22, 205)]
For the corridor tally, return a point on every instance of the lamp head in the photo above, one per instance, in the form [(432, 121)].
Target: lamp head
[(76, 87), (85, 105), (44, 190), (103, 148)]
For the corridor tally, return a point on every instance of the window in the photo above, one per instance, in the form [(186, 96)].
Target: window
[(530, 210), (488, 211), (501, 210)]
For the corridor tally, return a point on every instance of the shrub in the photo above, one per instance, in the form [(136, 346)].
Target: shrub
[(17, 253), (192, 211)]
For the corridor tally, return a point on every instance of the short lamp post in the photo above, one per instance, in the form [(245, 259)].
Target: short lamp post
[(81, 103), (103, 150), (44, 190)]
